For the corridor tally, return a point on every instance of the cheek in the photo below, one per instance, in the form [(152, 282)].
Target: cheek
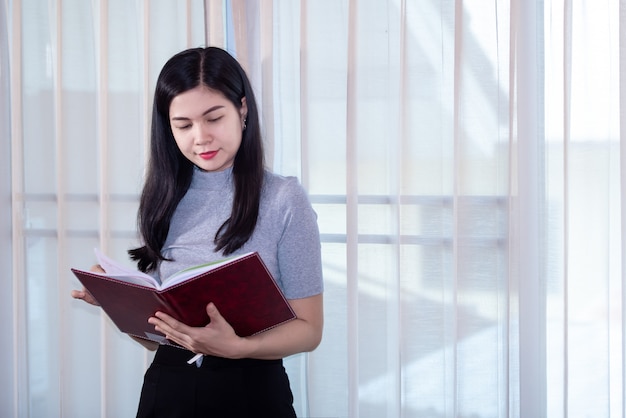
[(230, 136), (237, 143), (181, 142), (236, 134)]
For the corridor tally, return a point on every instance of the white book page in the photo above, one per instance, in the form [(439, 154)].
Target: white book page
[(120, 272), (190, 272)]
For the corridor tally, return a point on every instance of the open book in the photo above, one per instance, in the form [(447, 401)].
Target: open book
[(241, 288)]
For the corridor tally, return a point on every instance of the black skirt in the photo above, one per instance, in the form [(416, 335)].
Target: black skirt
[(219, 388)]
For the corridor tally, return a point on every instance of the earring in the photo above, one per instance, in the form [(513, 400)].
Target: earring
[(244, 125)]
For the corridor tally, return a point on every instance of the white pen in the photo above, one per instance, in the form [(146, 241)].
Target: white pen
[(194, 358)]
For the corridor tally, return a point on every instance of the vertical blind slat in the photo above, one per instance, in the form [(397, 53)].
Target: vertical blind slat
[(147, 104), (398, 84), (567, 96), (241, 38), (511, 285), (19, 325), (622, 141), (450, 287), (352, 253), (304, 95), (102, 74), (61, 208), (532, 303), (512, 230), (214, 23), (266, 66)]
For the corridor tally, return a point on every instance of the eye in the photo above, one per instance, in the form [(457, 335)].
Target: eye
[(215, 119), (183, 127)]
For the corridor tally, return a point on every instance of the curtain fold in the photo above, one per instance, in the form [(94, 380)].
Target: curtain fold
[(528, 210), (464, 159), (582, 183), (9, 346)]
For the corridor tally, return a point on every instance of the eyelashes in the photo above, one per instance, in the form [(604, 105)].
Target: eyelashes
[(189, 125)]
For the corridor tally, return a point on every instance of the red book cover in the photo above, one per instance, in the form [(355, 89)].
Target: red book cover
[(242, 289)]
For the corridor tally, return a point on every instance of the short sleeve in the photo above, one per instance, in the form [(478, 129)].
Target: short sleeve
[(299, 248)]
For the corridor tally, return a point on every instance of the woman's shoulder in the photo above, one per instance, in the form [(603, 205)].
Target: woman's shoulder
[(284, 188), (274, 181)]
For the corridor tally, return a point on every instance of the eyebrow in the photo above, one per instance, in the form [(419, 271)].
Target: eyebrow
[(206, 112)]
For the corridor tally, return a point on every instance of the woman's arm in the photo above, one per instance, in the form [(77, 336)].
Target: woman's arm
[(219, 339)]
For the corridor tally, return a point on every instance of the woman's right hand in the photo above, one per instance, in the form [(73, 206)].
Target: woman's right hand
[(84, 294)]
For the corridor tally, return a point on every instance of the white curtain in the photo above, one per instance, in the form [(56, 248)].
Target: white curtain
[(463, 157), (584, 192)]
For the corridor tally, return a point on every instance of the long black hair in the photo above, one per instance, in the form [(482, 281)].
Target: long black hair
[(169, 172)]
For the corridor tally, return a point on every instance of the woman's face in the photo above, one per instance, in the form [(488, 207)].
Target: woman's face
[(207, 127)]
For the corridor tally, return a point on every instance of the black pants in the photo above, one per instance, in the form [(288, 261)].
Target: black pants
[(219, 388)]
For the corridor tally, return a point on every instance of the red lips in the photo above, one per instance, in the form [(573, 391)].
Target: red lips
[(207, 155)]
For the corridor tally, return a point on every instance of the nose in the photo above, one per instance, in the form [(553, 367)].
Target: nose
[(202, 134)]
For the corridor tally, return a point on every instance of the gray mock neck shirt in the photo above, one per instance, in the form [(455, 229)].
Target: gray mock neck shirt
[(286, 235)]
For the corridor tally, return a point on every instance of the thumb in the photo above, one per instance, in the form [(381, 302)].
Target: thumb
[(213, 313)]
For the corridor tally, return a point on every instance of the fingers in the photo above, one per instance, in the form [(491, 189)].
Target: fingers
[(196, 339), (173, 329), (97, 268), (167, 325), (214, 314), (85, 296)]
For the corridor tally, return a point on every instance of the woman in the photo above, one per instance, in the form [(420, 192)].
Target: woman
[(208, 195)]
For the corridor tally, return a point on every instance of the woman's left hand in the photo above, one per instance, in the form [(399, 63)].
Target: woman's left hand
[(218, 338)]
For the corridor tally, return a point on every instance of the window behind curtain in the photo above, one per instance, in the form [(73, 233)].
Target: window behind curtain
[(413, 210), (88, 71), (400, 118)]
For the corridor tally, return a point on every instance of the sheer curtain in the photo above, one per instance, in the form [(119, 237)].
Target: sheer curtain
[(463, 157), (584, 190)]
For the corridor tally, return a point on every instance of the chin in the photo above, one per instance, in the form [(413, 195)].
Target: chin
[(210, 167)]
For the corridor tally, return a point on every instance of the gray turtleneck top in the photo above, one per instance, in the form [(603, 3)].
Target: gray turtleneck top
[(286, 235)]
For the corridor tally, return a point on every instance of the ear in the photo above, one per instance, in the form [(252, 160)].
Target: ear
[(243, 111)]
